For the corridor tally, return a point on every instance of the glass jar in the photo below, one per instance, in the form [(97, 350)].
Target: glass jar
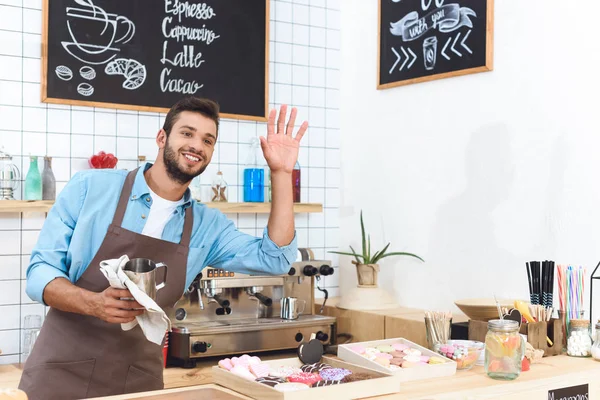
[(48, 180), (219, 188), (504, 350), (596, 346), (579, 343), (33, 181)]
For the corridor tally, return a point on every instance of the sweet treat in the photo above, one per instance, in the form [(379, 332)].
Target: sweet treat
[(397, 354), (260, 370), (305, 377), (409, 364), (358, 349), (359, 376), (334, 374), (290, 386), (400, 346), (396, 361), (239, 361), (385, 348), (395, 367), (425, 359), (371, 350), (412, 352), (436, 360), (414, 359), (384, 355), (254, 360), (315, 368), (243, 372), (385, 362), (325, 383), (284, 372), (226, 364), (270, 380)]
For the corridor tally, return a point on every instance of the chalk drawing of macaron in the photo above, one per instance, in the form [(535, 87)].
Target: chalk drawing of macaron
[(87, 72), (64, 73), (85, 89)]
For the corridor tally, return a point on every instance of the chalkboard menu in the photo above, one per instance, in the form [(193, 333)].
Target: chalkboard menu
[(148, 54), (423, 40)]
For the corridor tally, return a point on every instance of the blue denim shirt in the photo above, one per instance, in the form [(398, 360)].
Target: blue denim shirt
[(77, 223)]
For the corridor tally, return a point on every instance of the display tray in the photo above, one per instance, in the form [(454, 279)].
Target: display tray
[(383, 383), (448, 368)]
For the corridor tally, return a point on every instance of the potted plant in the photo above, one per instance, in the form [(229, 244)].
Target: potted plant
[(366, 263)]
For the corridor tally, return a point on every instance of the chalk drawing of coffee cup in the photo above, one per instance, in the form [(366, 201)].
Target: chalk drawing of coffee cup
[(95, 33), (430, 52)]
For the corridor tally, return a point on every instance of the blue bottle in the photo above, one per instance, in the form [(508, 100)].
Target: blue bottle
[(254, 176)]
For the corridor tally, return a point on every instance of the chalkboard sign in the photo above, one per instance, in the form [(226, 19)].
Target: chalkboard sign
[(147, 54), (423, 40)]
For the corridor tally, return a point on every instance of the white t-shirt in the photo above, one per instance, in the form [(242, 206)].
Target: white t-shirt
[(160, 213)]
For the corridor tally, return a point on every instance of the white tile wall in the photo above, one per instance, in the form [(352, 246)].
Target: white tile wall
[(304, 72)]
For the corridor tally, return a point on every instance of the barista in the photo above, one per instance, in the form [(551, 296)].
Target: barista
[(82, 351)]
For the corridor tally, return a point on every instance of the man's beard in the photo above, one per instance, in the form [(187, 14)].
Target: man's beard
[(173, 169)]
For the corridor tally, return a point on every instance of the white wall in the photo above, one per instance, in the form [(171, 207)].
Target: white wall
[(481, 173), (304, 71)]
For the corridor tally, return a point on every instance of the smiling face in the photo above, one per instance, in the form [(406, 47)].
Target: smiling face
[(188, 148)]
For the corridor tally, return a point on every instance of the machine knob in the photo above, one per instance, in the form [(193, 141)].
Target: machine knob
[(292, 271), (309, 270), (325, 270), (199, 347), (322, 336)]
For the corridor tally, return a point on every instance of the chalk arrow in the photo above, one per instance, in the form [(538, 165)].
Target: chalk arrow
[(414, 58), (462, 43), (398, 58), (444, 50), (406, 60), (454, 44)]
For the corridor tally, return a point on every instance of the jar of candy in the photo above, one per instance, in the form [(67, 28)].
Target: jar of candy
[(596, 346), (504, 350), (579, 343)]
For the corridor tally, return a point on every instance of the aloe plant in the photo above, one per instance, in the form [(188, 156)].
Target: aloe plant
[(366, 257)]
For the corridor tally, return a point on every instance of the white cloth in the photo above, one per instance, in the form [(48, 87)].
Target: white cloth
[(160, 213), (154, 322)]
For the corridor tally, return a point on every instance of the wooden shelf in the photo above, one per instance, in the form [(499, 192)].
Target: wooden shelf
[(8, 206)]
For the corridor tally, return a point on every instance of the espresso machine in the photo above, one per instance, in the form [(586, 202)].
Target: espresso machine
[(225, 313)]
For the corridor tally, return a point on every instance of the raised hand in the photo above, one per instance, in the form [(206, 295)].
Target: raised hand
[(280, 147)]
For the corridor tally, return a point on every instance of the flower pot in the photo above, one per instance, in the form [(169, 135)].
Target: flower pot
[(367, 274)]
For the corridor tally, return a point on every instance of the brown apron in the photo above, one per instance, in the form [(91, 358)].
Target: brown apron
[(80, 356)]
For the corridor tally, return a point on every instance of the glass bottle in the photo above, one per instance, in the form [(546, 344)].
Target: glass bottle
[(33, 181), (196, 189), (596, 346), (254, 176), (296, 182), (219, 188), (504, 350), (579, 343), (48, 180)]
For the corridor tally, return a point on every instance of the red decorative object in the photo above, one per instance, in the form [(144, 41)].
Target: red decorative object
[(103, 160)]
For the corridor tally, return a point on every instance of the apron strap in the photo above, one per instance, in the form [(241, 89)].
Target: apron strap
[(124, 199), (187, 227)]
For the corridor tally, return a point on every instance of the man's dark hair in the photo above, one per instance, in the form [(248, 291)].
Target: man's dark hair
[(206, 107)]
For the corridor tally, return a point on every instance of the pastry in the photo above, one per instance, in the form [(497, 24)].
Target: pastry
[(304, 377), (314, 368), (132, 70), (385, 348), (284, 372), (270, 380), (259, 370), (400, 346), (290, 386), (384, 355), (409, 364), (359, 376), (385, 362), (396, 361), (413, 359), (412, 352), (243, 372), (334, 373), (325, 383), (358, 349), (425, 359), (397, 354), (226, 364), (436, 360)]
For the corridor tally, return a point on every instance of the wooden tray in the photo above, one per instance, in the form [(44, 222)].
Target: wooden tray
[(383, 384), (346, 353)]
